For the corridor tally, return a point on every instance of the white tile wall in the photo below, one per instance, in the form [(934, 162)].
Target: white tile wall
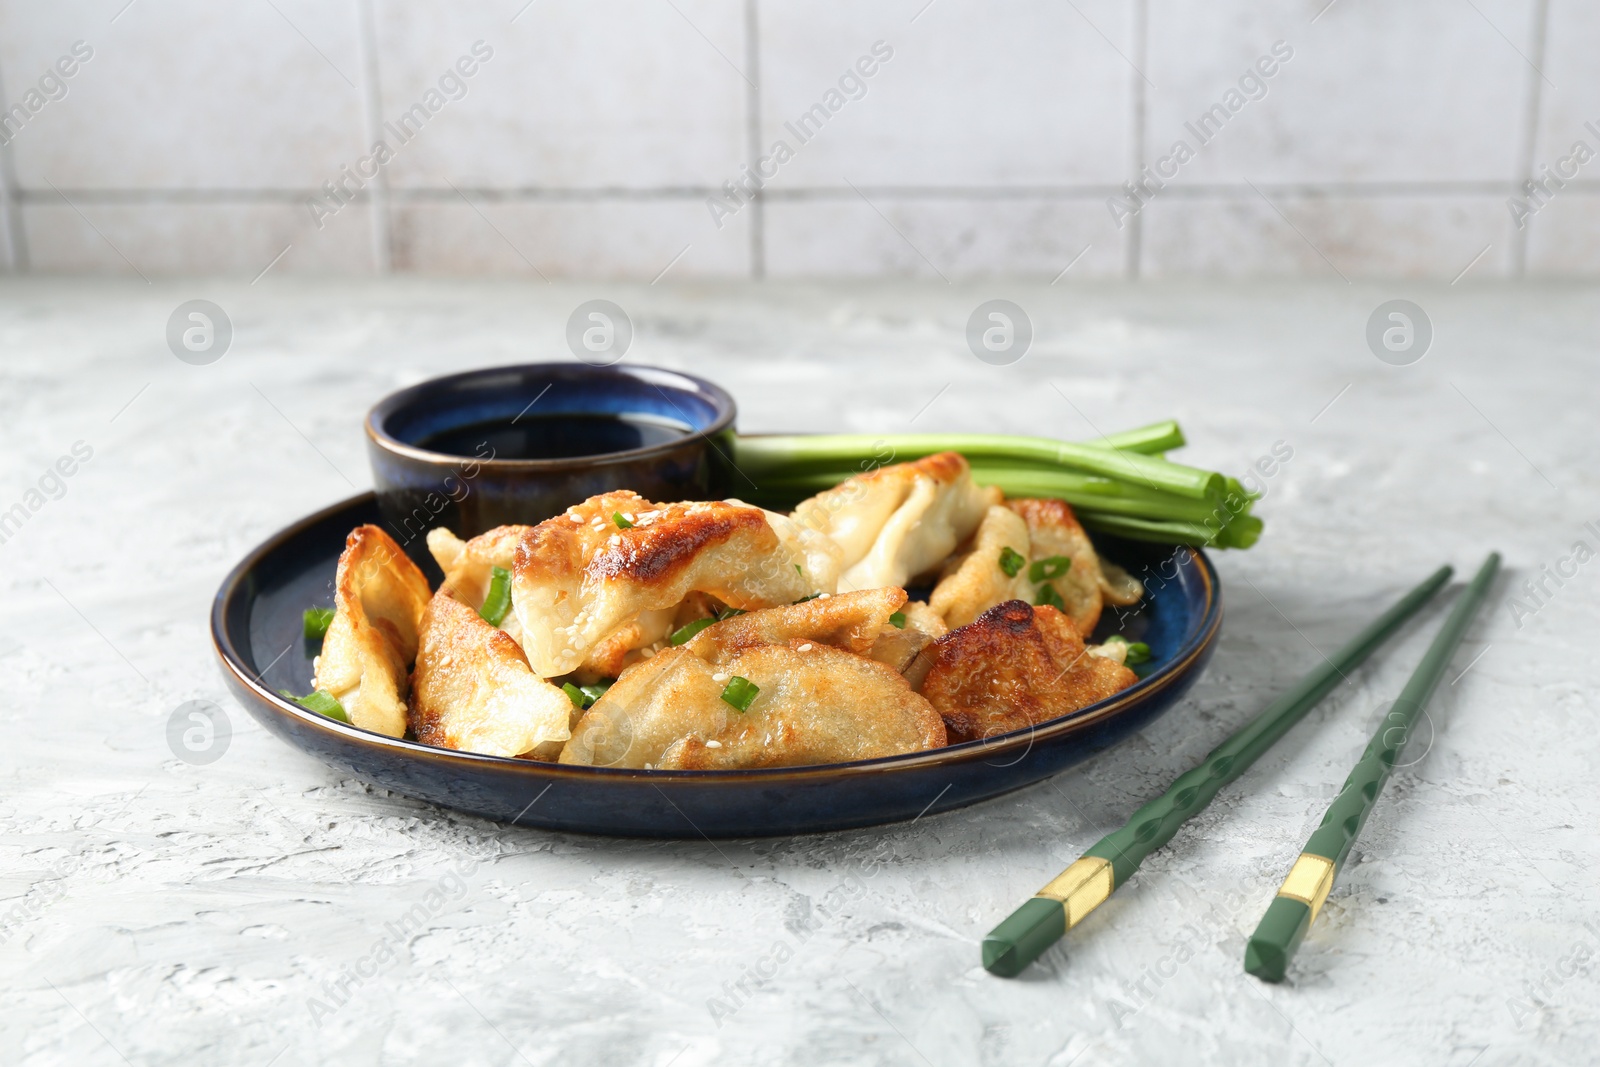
[(1421, 92), (974, 94), (590, 134), (619, 239), (185, 94), (578, 94), (1563, 234)]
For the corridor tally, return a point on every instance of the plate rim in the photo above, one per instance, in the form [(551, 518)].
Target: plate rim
[(1189, 655)]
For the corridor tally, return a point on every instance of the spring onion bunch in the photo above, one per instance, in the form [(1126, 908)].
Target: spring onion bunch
[(1122, 484)]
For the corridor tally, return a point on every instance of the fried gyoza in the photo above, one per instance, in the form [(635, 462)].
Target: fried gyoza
[(850, 621), (908, 649), (817, 704), (1090, 582), (1036, 530), (979, 582), (581, 575), (473, 691), (862, 622), (469, 565), (379, 596), (896, 522), (1016, 666), (620, 647)]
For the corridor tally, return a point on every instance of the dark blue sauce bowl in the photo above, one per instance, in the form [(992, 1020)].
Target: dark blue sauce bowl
[(648, 429)]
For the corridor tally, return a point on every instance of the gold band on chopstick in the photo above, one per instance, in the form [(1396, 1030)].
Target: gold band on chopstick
[(1080, 888), (1309, 881)]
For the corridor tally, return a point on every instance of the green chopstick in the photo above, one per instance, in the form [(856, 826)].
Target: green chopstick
[(1293, 910), (1111, 861)]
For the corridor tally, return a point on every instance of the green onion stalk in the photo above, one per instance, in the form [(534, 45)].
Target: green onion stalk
[(1122, 484)]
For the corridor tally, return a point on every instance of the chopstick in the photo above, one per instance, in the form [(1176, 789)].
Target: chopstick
[(1295, 908), (1111, 861)]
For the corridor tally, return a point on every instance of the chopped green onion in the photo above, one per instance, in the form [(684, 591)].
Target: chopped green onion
[(315, 622), (621, 521), (1011, 561), (584, 696), (1136, 651), (685, 633), (498, 600), (322, 702), (898, 620), (803, 599), (1048, 597), (740, 692), (798, 571), (1046, 570)]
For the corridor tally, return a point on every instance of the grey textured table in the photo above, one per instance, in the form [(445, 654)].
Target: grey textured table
[(167, 913)]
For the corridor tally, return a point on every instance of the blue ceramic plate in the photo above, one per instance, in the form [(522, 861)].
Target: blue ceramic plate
[(256, 626)]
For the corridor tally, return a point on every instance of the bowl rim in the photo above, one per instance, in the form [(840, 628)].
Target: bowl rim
[(1189, 654), (657, 377)]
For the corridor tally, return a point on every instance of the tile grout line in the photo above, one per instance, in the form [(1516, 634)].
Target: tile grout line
[(1207, 191), (1133, 252), (13, 241), (372, 116), (752, 104), (1531, 114)]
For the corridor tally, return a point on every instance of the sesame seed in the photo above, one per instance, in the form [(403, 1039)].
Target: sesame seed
[(804, 648), (720, 676), (713, 744)]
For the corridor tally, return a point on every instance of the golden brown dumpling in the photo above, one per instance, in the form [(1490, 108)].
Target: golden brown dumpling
[(1090, 582), (897, 522), (851, 621), (580, 576), (858, 622), (620, 647), (379, 596), (1037, 531), (817, 704), (1016, 666), (469, 565), (819, 701), (468, 568), (979, 581), (908, 648), (473, 691)]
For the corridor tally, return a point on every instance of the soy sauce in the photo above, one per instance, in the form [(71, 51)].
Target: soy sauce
[(555, 436)]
